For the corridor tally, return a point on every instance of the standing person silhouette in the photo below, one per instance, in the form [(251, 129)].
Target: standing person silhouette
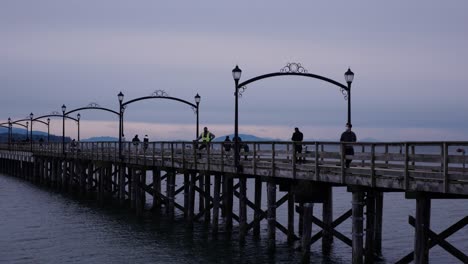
[(136, 142), (145, 142), (206, 137), (348, 136), (297, 138)]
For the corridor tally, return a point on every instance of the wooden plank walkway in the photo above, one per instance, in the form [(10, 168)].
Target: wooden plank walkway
[(438, 167)]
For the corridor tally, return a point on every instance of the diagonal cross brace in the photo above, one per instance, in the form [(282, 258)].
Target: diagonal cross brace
[(439, 239), (334, 224)]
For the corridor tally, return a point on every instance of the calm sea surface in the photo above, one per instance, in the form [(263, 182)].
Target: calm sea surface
[(41, 226)]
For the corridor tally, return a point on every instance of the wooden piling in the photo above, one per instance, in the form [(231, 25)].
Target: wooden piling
[(358, 201), (207, 197), (193, 179), (421, 235), (216, 196), (291, 212), (306, 231), (370, 224), (186, 194), (156, 188), (229, 202), (327, 218), (379, 197), (258, 206), (271, 215), (242, 207)]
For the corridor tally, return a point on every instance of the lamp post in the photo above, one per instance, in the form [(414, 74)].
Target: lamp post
[(120, 96), (9, 132), (48, 130), (78, 116), (31, 116), (27, 130), (236, 74), (349, 76), (197, 101), (64, 108)]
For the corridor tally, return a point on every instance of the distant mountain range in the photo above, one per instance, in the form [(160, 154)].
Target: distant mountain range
[(245, 137), (100, 139)]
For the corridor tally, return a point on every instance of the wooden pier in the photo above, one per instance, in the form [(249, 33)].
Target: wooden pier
[(423, 170)]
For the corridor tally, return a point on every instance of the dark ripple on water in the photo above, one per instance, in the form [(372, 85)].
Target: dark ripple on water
[(39, 226)]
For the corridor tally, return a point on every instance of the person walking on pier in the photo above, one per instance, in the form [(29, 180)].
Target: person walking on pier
[(136, 142), (145, 142), (297, 138), (227, 144), (348, 136), (206, 137)]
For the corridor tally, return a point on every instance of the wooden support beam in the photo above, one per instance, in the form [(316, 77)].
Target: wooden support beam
[(216, 199), (229, 202), (327, 216), (307, 214), (379, 198), (290, 233), (271, 200), (186, 189), (207, 196), (358, 203), (370, 225), (421, 236), (157, 188), (335, 233), (191, 203), (242, 208), (258, 206)]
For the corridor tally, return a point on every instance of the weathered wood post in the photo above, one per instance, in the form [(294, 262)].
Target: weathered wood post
[(258, 206), (421, 235), (229, 202), (156, 188), (216, 196), (170, 192), (307, 213), (271, 215), (358, 202), (242, 207), (121, 184), (201, 198), (291, 212), (186, 194), (207, 197), (327, 217), (193, 182), (379, 197), (370, 224), (89, 182)]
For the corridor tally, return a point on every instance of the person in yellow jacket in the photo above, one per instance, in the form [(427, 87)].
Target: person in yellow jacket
[(206, 137)]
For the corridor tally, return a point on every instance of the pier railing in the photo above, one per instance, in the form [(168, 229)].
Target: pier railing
[(420, 166)]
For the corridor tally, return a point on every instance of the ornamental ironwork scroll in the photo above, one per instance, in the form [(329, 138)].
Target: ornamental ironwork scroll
[(161, 93), (293, 67), (93, 104), (345, 93)]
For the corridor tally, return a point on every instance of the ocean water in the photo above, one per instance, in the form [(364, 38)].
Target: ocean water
[(38, 225)]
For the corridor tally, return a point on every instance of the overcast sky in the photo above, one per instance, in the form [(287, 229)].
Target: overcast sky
[(410, 60)]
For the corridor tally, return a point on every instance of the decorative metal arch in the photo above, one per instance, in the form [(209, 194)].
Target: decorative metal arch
[(92, 106), (293, 69), (54, 115)]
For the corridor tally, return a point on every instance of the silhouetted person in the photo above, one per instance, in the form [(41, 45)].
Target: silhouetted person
[(136, 142), (206, 137), (297, 138), (241, 145), (73, 145), (348, 136), (41, 142), (227, 144), (145, 142)]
